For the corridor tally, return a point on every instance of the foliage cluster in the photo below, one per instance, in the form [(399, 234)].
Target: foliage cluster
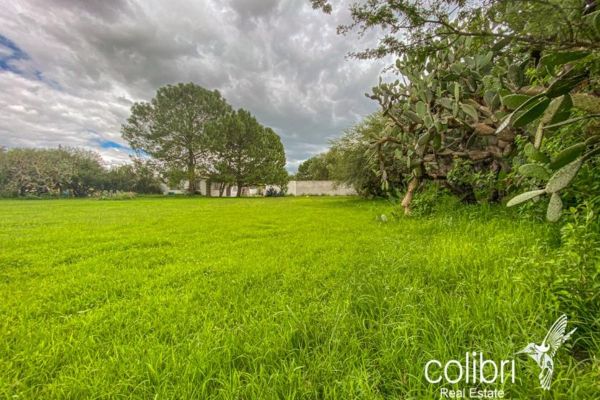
[(68, 172), (316, 168)]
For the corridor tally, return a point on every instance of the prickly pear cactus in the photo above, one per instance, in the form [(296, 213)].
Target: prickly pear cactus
[(458, 104)]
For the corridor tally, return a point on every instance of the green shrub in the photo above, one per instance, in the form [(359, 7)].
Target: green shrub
[(569, 271), (107, 195), (575, 274), (273, 192), (432, 198)]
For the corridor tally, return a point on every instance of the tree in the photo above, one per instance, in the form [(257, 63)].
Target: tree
[(139, 177), (88, 172), (51, 172), (69, 171), (353, 161), (3, 169), (271, 165), (172, 127), (418, 25), (315, 168), (245, 153)]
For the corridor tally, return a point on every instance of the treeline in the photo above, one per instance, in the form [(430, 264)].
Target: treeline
[(69, 172), (184, 134)]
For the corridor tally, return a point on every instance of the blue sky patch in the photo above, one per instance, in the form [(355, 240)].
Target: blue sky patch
[(15, 54), (109, 144), (9, 51)]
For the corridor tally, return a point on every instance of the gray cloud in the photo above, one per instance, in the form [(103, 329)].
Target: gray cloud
[(84, 63)]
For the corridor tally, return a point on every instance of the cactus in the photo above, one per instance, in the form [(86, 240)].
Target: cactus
[(530, 113), (558, 110), (555, 59), (448, 112), (566, 82), (513, 101), (563, 176), (555, 207), (567, 155), (523, 197), (534, 154)]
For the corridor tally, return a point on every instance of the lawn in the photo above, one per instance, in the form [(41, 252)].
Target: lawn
[(297, 298)]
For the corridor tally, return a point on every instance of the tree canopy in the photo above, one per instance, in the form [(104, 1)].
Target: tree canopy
[(419, 25), (191, 129), (172, 127), (245, 153), (69, 172), (315, 168)]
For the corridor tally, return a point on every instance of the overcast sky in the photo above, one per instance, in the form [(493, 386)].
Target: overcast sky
[(71, 69)]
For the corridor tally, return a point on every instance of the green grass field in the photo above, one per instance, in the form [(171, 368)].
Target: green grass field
[(298, 298)]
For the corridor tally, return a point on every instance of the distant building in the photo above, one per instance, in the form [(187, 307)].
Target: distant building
[(294, 188)]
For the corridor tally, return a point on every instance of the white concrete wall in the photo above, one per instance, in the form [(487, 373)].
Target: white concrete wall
[(329, 188), (295, 188), (202, 186)]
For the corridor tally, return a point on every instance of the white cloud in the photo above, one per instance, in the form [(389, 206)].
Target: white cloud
[(86, 62)]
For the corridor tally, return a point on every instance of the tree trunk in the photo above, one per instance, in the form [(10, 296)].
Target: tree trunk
[(410, 192), (221, 189), (191, 173), (239, 189)]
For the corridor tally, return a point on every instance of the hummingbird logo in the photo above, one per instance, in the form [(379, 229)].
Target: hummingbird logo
[(544, 353)]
